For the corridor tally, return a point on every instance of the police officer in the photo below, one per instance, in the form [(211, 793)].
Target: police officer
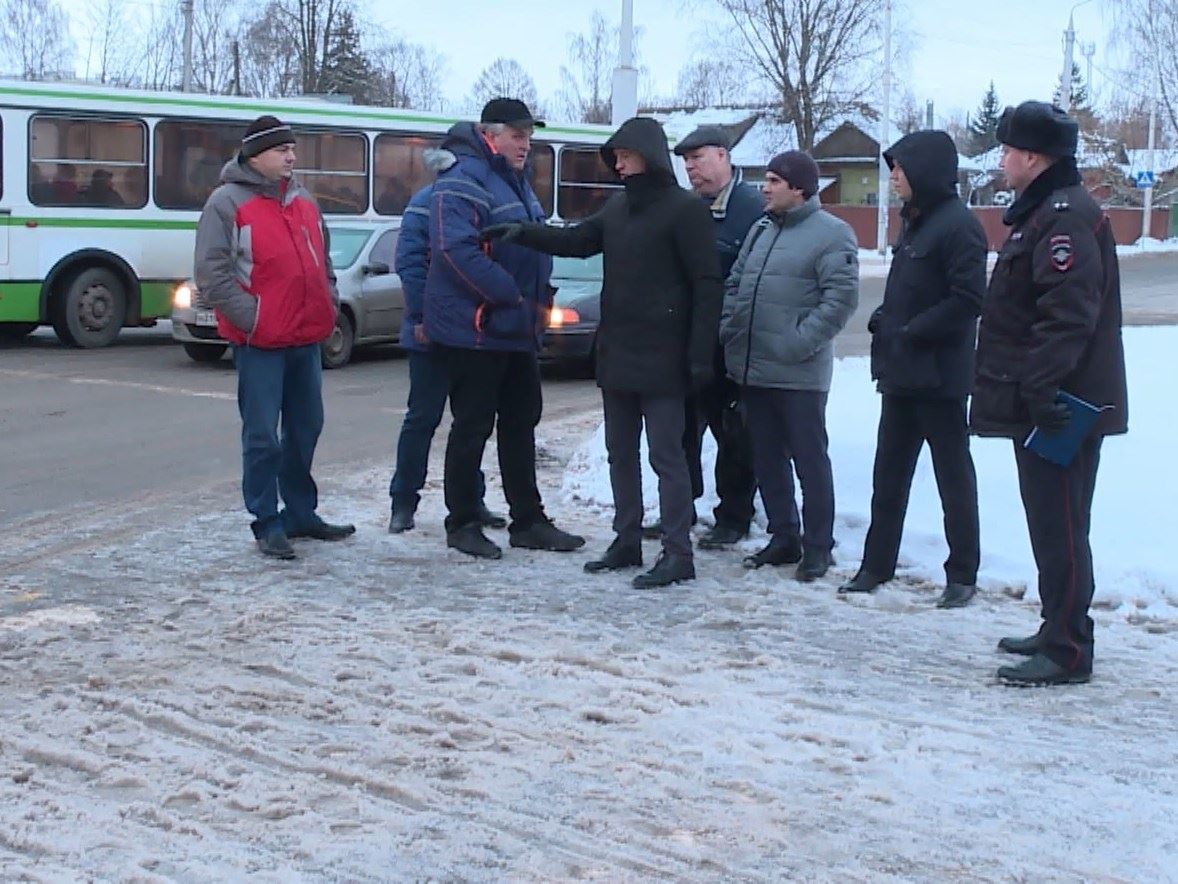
[(1051, 324)]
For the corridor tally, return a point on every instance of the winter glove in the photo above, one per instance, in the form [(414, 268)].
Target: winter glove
[(504, 232), (1049, 416), (874, 321)]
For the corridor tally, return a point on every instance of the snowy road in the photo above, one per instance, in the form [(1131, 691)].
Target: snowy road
[(176, 708)]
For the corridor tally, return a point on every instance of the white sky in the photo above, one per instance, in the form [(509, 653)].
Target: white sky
[(956, 47)]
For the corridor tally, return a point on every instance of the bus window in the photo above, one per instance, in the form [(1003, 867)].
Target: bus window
[(585, 183), (81, 161), (334, 167), (189, 155), (400, 171), (542, 162)]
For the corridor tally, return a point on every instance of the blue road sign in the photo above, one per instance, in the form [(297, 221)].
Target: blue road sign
[(1144, 179)]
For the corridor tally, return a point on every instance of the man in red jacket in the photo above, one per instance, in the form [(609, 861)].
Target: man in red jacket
[(262, 262)]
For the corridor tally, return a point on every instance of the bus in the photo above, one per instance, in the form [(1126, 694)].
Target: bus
[(101, 189)]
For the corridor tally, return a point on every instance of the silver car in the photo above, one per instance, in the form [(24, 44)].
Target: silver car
[(371, 300)]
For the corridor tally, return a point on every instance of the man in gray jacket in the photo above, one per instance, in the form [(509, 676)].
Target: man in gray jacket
[(793, 288)]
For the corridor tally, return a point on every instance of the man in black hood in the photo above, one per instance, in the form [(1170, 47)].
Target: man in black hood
[(660, 308), (922, 348)]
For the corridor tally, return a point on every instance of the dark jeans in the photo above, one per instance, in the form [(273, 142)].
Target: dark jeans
[(429, 387), (1058, 505), (492, 389), (715, 408), (274, 385), (663, 416), (790, 425), (906, 423)]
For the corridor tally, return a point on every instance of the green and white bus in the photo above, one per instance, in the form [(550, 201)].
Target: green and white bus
[(101, 188)]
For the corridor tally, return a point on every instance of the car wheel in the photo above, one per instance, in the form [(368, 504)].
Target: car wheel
[(204, 352), (14, 331), (337, 349), (91, 310)]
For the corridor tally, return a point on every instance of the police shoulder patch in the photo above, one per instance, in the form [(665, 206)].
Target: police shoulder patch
[(1062, 253)]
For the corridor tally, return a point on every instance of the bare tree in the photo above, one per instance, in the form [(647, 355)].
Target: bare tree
[(706, 82), (216, 24), (1149, 29), (315, 23), (158, 34), (907, 117), (269, 57), (34, 36), (816, 55), (111, 46), (588, 78), (406, 74), (504, 77)]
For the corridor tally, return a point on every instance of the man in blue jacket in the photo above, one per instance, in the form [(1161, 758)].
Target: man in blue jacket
[(485, 308), (429, 381)]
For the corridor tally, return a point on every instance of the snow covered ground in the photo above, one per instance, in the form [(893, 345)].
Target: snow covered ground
[(176, 708)]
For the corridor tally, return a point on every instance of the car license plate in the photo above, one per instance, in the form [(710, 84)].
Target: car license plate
[(206, 317)]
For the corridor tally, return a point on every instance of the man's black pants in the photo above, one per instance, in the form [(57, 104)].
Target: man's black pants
[(1058, 504), (714, 408), (906, 423), (489, 389)]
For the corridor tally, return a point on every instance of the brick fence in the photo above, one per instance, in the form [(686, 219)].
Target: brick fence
[(1126, 223)]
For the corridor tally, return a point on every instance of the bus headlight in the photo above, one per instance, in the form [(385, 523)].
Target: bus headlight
[(559, 316), (182, 297)]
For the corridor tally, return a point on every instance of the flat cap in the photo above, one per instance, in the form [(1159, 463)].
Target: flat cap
[(704, 136)]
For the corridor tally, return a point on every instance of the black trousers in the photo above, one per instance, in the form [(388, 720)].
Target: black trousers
[(906, 423), (1058, 504), (714, 408), (492, 389), (787, 425)]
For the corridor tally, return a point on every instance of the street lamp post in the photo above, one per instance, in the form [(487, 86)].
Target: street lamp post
[(881, 230), (624, 98)]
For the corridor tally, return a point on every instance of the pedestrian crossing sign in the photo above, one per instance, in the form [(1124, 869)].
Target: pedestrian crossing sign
[(1145, 179)]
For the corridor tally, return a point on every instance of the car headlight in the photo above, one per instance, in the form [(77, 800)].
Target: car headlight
[(182, 296), (559, 316)]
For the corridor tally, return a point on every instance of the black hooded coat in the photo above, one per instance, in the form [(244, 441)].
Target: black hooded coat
[(661, 292), (924, 332)]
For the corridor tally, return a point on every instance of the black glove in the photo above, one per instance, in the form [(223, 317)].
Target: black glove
[(1049, 416), (505, 232), (874, 321)]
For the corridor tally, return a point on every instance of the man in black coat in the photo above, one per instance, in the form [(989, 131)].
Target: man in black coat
[(735, 207), (1051, 324), (922, 348), (660, 309)]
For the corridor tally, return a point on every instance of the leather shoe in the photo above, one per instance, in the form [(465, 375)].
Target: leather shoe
[(619, 555), (721, 537), (864, 581), (471, 540), (402, 519), (490, 519), (667, 570), (323, 531), (776, 552), (1041, 670), (542, 534), (1027, 647), (276, 545), (957, 595), (815, 563)]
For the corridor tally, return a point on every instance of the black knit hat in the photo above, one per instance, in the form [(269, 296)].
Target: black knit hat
[(704, 136), (798, 169), (264, 133), (1039, 127)]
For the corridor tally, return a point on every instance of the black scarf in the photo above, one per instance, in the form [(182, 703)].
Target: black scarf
[(1061, 173), (644, 188)]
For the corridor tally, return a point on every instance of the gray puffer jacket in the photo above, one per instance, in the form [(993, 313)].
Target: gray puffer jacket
[(792, 289)]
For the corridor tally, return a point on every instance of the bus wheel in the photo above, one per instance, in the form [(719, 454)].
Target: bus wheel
[(337, 349), (91, 310), (204, 352), (14, 331)]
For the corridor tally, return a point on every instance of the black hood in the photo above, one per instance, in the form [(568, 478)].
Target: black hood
[(646, 136), (929, 161)]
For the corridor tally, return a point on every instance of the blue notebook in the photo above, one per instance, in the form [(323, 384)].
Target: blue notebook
[(1061, 447)]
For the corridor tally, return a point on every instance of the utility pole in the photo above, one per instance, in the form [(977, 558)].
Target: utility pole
[(1065, 83), (1147, 203), (186, 11), (1088, 50), (881, 229), (236, 68), (624, 98), (928, 114)]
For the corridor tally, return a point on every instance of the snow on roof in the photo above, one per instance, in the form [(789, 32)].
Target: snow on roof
[(1165, 159), (763, 141)]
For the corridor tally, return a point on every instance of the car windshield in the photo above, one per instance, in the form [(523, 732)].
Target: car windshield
[(346, 243), (586, 269)]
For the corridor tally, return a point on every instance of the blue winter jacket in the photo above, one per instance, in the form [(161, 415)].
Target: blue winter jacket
[(483, 296), (412, 263)]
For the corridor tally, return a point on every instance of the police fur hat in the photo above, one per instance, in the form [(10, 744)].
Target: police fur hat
[(1039, 127), (264, 133)]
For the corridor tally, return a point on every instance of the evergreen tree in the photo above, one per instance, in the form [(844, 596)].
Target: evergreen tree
[(983, 126), (1079, 92), (346, 69)]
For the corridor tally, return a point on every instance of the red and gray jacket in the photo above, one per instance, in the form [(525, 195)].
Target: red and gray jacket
[(262, 261)]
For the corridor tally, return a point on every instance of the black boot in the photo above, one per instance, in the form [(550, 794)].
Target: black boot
[(1041, 670), (619, 555), (276, 545), (542, 534), (1027, 647), (815, 564), (402, 518), (864, 581), (471, 540), (722, 536), (321, 530), (667, 570), (777, 552), (957, 595), (489, 519)]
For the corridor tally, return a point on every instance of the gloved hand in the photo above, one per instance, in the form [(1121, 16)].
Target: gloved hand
[(1049, 416), (874, 321), (505, 232)]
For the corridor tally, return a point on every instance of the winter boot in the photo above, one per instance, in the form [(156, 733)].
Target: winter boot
[(1040, 671), (619, 555), (471, 540), (864, 581), (957, 595), (776, 552), (542, 534), (667, 570)]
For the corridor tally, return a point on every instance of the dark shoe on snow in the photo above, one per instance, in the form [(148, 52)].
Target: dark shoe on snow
[(471, 540), (276, 545), (324, 531), (402, 519), (1027, 647), (957, 595), (667, 570), (777, 552), (864, 581), (721, 537), (544, 535), (1040, 671), (815, 563), (489, 519), (619, 555)]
